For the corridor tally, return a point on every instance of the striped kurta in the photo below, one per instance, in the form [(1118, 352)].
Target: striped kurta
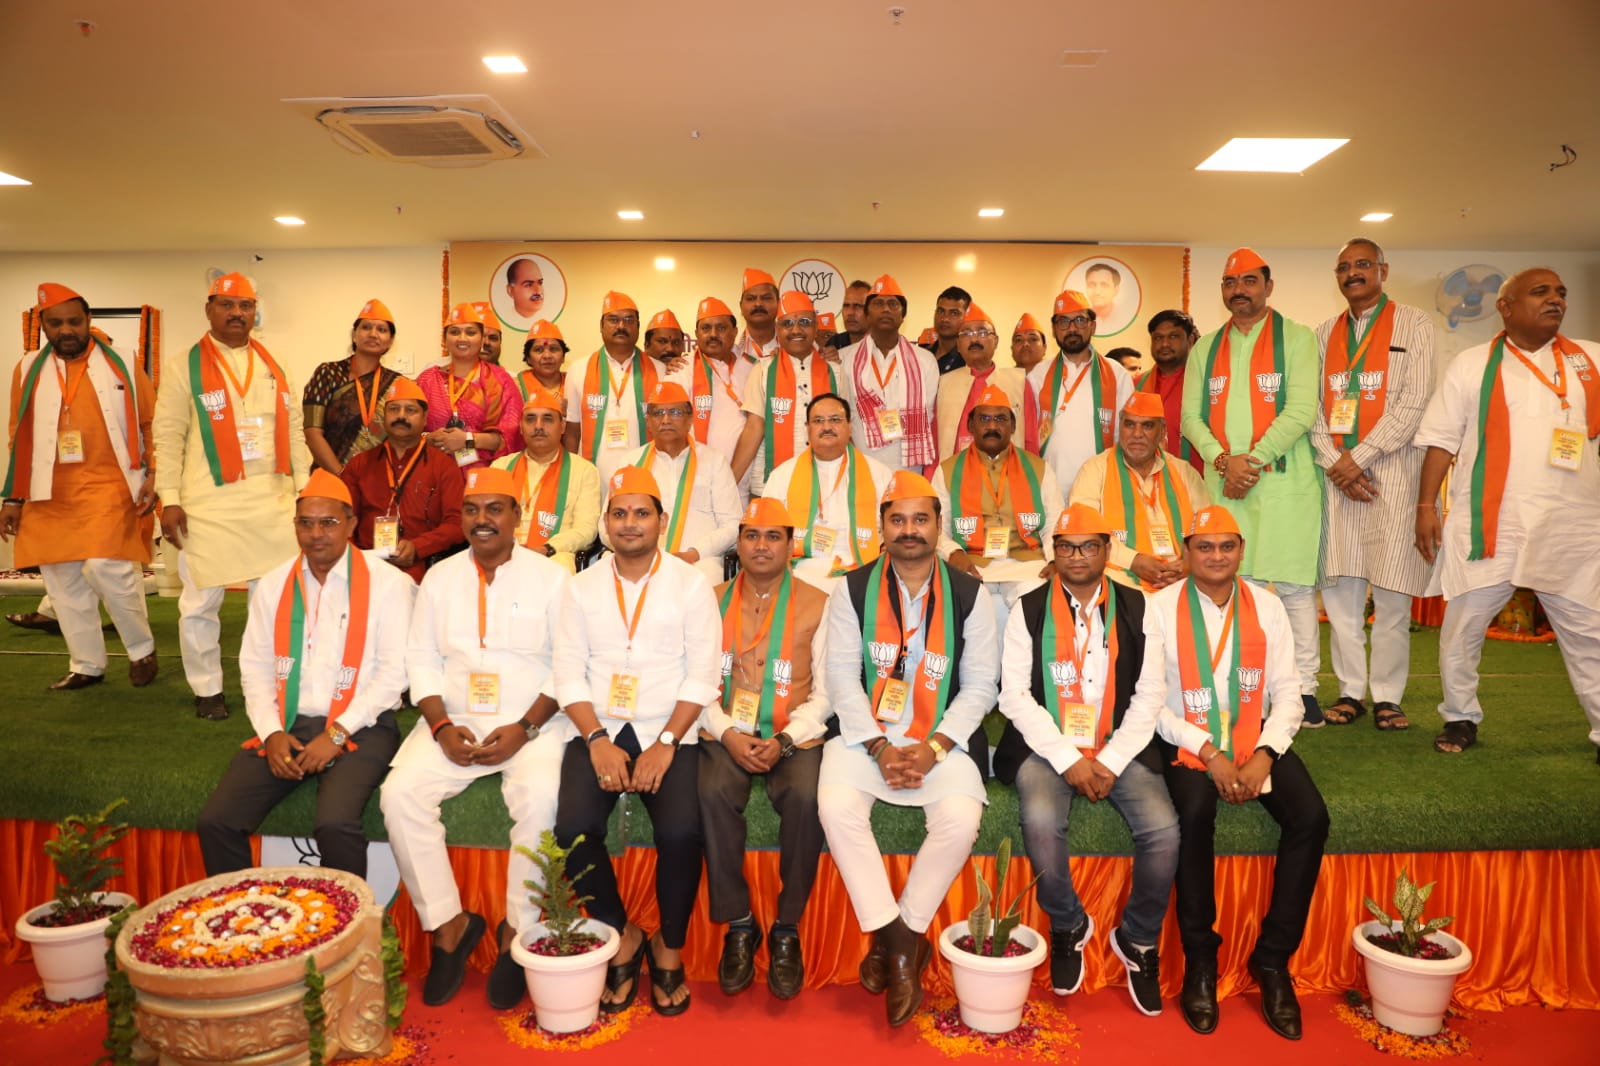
[(1376, 540)]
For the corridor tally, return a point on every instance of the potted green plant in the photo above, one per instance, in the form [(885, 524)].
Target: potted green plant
[(564, 955), (1411, 964), (67, 934), (992, 954)]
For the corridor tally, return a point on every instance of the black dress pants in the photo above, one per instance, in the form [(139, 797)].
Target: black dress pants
[(724, 792)]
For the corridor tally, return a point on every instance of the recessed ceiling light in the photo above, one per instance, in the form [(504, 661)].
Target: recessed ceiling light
[(12, 179), (1377, 216), (289, 220), (991, 212), (631, 216), (1272, 155), (666, 262), (505, 64), (967, 263)]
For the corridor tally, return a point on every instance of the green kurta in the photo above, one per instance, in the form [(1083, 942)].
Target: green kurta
[(1281, 517)]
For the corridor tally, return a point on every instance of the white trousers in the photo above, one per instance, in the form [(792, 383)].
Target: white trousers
[(77, 589), (846, 815), (45, 607), (1300, 601), (1346, 603), (410, 799), (200, 631), (1466, 623)]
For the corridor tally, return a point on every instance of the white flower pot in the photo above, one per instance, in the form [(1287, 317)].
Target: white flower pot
[(566, 990), (1410, 995), (990, 991), (71, 960)]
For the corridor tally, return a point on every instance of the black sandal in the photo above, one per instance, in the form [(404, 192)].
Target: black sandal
[(622, 974), (666, 982), (1344, 711), (1462, 735), (1389, 718)]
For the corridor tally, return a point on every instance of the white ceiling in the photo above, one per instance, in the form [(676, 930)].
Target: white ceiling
[(165, 128)]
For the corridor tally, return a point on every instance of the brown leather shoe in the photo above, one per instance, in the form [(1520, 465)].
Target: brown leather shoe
[(904, 988), (34, 620), (212, 708), (874, 969), (142, 671), (75, 681)]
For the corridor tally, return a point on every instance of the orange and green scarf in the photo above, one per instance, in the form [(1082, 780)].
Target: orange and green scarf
[(773, 716), (680, 504), (19, 468), (1352, 356), (1039, 418), (779, 430), (968, 478), (884, 639), (805, 498), (1197, 664), (597, 397), (213, 405), (1266, 382), (1062, 685), (1124, 512), (551, 493)]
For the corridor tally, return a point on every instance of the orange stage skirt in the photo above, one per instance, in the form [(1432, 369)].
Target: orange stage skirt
[(1529, 916)]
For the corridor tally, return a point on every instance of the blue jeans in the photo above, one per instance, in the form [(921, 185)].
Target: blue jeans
[(1044, 800)]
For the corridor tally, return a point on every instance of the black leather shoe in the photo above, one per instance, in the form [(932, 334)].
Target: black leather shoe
[(1198, 1000), (143, 671), (874, 969), (507, 985), (903, 989), (34, 620), (76, 681), (786, 971), (447, 969), (738, 965), (1278, 1003), (211, 708)]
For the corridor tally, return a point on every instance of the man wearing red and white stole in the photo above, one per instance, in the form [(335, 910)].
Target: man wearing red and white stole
[(323, 664), (78, 486), (1249, 401), (1070, 411), (959, 389), (230, 455), (481, 671), (1232, 710), (701, 497), (1082, 682), (1377, 369), (1519, 417), (894, 385), (911, 673), (771, 720)]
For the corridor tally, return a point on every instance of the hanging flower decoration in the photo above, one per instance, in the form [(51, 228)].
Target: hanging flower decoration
[(246, 923)]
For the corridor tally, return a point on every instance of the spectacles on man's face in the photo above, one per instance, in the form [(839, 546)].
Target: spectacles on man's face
[(1076, 320), (991, 420), (621, 320), (678, 413), (977, 333), (802, 322), (1089, 549), (1359, 264), (326, 525), (828, 420)]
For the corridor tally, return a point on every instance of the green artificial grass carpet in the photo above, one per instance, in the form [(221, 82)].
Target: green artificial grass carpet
[(1531, 782)]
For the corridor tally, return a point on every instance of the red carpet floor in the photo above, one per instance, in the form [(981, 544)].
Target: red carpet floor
[(843, 1026)]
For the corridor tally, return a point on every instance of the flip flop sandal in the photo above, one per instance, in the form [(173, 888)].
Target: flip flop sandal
[(666, 982), (1462, 734), (622, 975), (1389, 718), (1344, 711)]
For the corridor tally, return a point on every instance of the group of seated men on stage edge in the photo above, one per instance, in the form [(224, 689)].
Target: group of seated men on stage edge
[(1126, 568)]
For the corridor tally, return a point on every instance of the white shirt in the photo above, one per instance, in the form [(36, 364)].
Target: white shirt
[(1040, 731), (382, 676), (1075, 424), (727, 398), (676, 651), (833, 509), (521, 614), (758, 403), (617, 404), (892, 393), (714, 511), (1549, 518), (1280, 682)]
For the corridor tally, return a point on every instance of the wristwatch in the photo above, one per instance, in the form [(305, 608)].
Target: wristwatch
[(472, 441), (338, 734), (939, 754), (530, 729), (668, 738), (786, 746)]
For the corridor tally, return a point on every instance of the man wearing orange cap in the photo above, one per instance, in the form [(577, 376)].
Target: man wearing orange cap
[(342, 406), (559, 491), (1027, 343), (1232, 710), (78, 482), (1070, 413), (230, 454), (894, 385), (525, 286), (758, 303), (771, 719), (961, 386), (911, 673), (472, 408), (1377, 370), (493, 332), (480, 668), (833, 491), (323, 664), (407, 496), (636, 665), (1172, 335), (1082, 685), (777, 392), (1248, 407), (544, 353), (1146, 499), (717, 380), (949, 312), (698, 490), (606, 392)]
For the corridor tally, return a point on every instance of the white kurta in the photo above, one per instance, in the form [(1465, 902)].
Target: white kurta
[(238, 531), (1089, 488), (859, 366), (1549, 518), (758, 403), (727, 400), (833, 511), (714, 510), (618, 404), (1374, 540), (1074, 423)]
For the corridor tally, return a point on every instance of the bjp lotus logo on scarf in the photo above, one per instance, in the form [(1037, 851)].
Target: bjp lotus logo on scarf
[(782, 677), (547, 522), (345, 681), (282, 665), (595, 402), (1249, 681), (934, 666), (1371, 382), (1216, 386), (216, 402), (1105, 418), (1031, 520), (702, 406), (883, 656), (1197, 703), (727, 664), (1063, 673), (967, 526), (1268, 385), (1338, 383), (781, 408)]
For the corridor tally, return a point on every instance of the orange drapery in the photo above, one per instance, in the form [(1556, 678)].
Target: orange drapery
[(1529, 916)]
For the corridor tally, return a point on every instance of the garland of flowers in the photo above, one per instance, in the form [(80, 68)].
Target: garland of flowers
[(245, 923), (1446, 1043), (150, 341), (1044, 1034), (120, 1030), (394, 972), (1186, 281), (316, 1014), (523, 1030), (444, 288)]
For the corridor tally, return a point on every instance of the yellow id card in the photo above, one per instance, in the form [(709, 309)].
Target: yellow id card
[(69, 446), (823, 539), (623, 699), (385, 536), (996, 541), (616, 433), (892, 704), (889, 424), (1342, 419), (1566, 448), (483, 693), (746, 710), (1077, 723), (1161, 542), (249, 438)]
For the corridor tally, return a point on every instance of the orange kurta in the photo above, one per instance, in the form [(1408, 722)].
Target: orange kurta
[(89, 514)]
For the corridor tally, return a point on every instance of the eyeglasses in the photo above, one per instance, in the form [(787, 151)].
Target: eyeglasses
[(1076, 320), (1088, 549), (327, 525), (802, 322), (992, 420), (1359, 264), (666, 412), (977, 333), (828, 420), (621, 320)]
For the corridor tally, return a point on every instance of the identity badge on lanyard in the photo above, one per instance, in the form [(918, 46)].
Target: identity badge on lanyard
[(385, 535), (823, 539), (622, 700), (69, 440), (1161, 540), (896, 695), (1342, 419), (890, 424), (483, 686), (250, 436), (996, 541), (1566, 443)]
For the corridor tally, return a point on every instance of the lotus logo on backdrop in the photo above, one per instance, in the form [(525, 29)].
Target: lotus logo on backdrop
[(818, 279)]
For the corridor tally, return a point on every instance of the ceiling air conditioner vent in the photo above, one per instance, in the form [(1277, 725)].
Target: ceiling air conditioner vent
[(439, 131)]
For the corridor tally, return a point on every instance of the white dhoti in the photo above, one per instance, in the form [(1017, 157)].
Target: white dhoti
[(1346, 603), (76, 590)]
